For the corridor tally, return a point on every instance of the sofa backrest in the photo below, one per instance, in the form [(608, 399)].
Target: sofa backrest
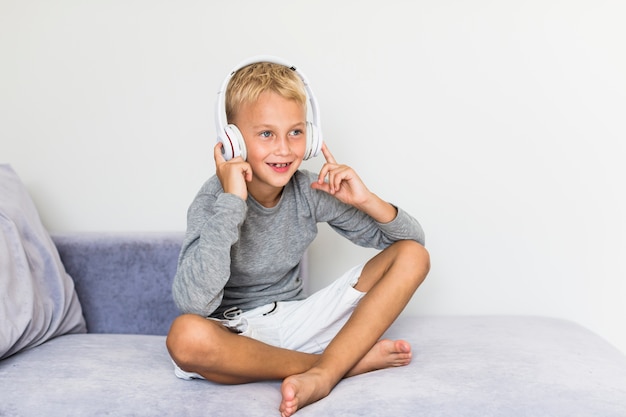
[(123, 281)]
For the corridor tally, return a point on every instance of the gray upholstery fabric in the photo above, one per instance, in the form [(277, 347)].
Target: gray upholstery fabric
[(123, 281), (463, 367)]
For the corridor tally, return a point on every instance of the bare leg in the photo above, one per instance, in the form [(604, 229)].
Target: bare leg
[(390, 279), (208, 348)]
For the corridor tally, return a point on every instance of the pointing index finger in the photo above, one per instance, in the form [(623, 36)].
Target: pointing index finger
[(329, 156)]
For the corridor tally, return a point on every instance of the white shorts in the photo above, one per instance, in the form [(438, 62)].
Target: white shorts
[(304, 325)]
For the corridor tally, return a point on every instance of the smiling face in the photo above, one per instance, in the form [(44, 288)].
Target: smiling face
[(273, 128)]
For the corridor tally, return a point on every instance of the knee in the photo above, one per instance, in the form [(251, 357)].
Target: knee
[(188, 339), (414, 256)]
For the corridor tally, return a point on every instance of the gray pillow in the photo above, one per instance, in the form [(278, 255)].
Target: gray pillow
[(37, 296)]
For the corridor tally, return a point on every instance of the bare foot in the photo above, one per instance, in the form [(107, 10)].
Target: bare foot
[(301, 390), (304, 389), (384, 354)]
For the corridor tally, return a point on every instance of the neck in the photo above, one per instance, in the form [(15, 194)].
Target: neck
[(267, 198)]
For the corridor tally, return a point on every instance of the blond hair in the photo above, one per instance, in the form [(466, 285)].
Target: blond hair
[(248, 83)]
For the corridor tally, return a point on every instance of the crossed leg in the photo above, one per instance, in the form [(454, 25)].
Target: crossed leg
[(389, 280), (233, 359)]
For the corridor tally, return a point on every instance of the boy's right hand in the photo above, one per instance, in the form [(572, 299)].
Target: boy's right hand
[(232, 174)]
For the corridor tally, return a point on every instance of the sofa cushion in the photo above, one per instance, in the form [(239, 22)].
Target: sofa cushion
[(37, 297), (123, 280), (462, 366)]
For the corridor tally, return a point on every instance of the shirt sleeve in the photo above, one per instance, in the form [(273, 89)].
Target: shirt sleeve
[(213, 223), (403, 227), (360, 228)]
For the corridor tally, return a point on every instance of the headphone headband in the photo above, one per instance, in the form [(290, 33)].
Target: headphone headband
[(223, 128)]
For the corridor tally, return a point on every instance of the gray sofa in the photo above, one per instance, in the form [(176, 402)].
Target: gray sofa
[(83, 319), (463, 366)]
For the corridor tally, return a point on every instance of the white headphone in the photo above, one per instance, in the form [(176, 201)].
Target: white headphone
[(233, 144)]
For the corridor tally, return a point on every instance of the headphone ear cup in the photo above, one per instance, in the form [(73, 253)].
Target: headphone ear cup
[(313, 141), (233, 143)]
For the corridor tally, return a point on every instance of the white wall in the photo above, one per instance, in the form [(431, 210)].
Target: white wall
[(499, 124)]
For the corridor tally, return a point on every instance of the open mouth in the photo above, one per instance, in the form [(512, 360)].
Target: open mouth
[(280, 168)]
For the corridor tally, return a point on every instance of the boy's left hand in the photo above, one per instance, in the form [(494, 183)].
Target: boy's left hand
[(343, 182)]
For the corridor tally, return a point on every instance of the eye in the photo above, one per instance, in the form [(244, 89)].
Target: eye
[(296, 132), (265, 134)]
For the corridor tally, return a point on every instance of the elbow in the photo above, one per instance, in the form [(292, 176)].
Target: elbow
[(192, 302)]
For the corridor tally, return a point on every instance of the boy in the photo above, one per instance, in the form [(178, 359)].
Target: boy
[(246, 318)]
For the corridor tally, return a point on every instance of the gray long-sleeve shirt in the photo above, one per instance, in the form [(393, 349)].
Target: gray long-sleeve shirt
[(240, 254)]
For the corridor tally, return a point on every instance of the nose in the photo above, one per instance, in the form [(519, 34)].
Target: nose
[(282, 145)]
